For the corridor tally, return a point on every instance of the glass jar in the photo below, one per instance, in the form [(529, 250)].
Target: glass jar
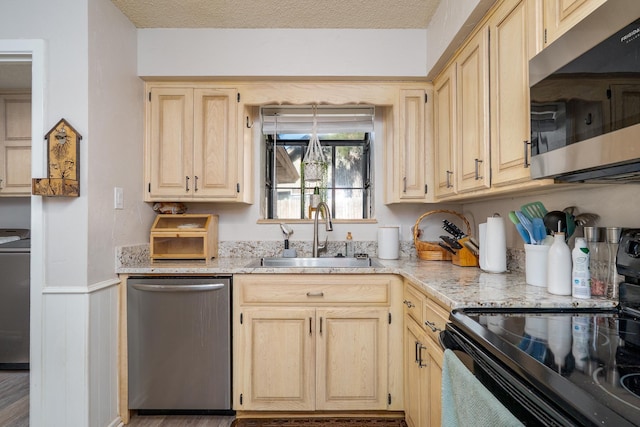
[(612, 237), (598, 260)]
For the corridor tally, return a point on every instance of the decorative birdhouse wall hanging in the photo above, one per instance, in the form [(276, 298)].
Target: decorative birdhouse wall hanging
[(63, 158)]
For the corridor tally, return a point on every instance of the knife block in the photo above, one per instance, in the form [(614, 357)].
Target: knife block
[(464, 258)]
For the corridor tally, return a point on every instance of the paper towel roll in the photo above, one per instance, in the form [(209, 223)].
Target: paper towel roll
[(494, 249), (388, 242)]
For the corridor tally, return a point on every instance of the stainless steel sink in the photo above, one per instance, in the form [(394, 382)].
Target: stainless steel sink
[(336, 262)]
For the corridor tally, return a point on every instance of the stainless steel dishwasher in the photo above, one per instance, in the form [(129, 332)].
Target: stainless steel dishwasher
[(179, 344)]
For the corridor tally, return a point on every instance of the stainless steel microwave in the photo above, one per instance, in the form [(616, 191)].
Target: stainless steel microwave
[(585, 99)]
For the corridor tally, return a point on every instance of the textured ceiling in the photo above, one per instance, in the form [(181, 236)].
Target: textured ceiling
[(355, 14)]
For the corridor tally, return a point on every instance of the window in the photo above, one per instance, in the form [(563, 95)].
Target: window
[(345, 187), (345, 133)]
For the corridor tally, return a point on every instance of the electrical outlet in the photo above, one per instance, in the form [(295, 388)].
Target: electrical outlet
[(118, 198)]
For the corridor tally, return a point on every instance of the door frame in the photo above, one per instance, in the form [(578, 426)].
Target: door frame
[(33, 50)]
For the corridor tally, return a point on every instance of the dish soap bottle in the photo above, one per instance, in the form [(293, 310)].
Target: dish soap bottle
[(580, 275), (559, 266), (348, 246), (315, 197)]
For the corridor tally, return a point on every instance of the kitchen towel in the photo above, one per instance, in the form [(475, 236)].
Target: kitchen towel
[(388, 242), (466, 402), (493, 245)]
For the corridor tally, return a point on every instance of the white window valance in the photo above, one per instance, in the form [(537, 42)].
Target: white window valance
[(329, 119)]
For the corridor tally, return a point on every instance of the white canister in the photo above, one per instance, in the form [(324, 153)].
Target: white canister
[(535, 267), (389, 242)]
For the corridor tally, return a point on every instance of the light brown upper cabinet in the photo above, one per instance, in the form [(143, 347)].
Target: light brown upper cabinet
[(406, 157), (473, 167), (15, 145), (193, 152), (509, 82), (444, 132), (481, 116), (560, 15)]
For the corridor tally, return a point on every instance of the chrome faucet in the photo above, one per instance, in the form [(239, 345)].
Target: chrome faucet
[(328, 225)]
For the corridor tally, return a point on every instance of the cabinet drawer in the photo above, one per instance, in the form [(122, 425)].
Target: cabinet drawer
[(309, 289), (436, 319), (414, 304)]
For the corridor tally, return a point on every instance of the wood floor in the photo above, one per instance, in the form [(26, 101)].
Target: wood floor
[(179, 421), (14, 408), (14, 398)]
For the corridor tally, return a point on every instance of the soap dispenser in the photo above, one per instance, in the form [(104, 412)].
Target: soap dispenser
[(348, 245)]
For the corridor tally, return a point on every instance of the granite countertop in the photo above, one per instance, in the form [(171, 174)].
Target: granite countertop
[(452, 286)]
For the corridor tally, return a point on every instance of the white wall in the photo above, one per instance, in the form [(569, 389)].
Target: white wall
[(281, 52), (116, 112)]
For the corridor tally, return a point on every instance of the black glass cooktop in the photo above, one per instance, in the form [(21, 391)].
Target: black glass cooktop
[(599, 352)]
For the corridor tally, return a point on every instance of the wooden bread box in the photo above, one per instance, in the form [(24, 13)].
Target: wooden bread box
[(184, 236)]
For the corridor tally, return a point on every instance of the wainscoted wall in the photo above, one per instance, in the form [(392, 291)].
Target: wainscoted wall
[(80, 360)]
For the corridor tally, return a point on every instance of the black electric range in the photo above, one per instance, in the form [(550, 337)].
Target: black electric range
[(564, 367)]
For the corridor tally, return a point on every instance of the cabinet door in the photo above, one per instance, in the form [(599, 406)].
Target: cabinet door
[(560, 15), (351, 367), (215, 152), (170, 144), (15, 145), (279, 353), (509, 83), (416, 378), (445, 132), (472, 86), (411, 146), (436, 355)]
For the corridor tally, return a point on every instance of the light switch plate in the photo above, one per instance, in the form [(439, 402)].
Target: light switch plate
[(118, 198)]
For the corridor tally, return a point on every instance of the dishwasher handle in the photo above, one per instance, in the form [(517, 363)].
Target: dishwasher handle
[(178, 288)]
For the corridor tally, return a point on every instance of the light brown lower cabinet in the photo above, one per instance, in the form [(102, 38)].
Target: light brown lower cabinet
[(423, 359), (317, 343)]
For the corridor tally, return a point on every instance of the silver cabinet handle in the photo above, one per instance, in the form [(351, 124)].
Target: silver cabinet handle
[(478, 161), (432, 326), (178, 288), (408, 303), (421, 363), (315, 294), (526, 153), (449, 173), (186, 184), (195, 188)]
